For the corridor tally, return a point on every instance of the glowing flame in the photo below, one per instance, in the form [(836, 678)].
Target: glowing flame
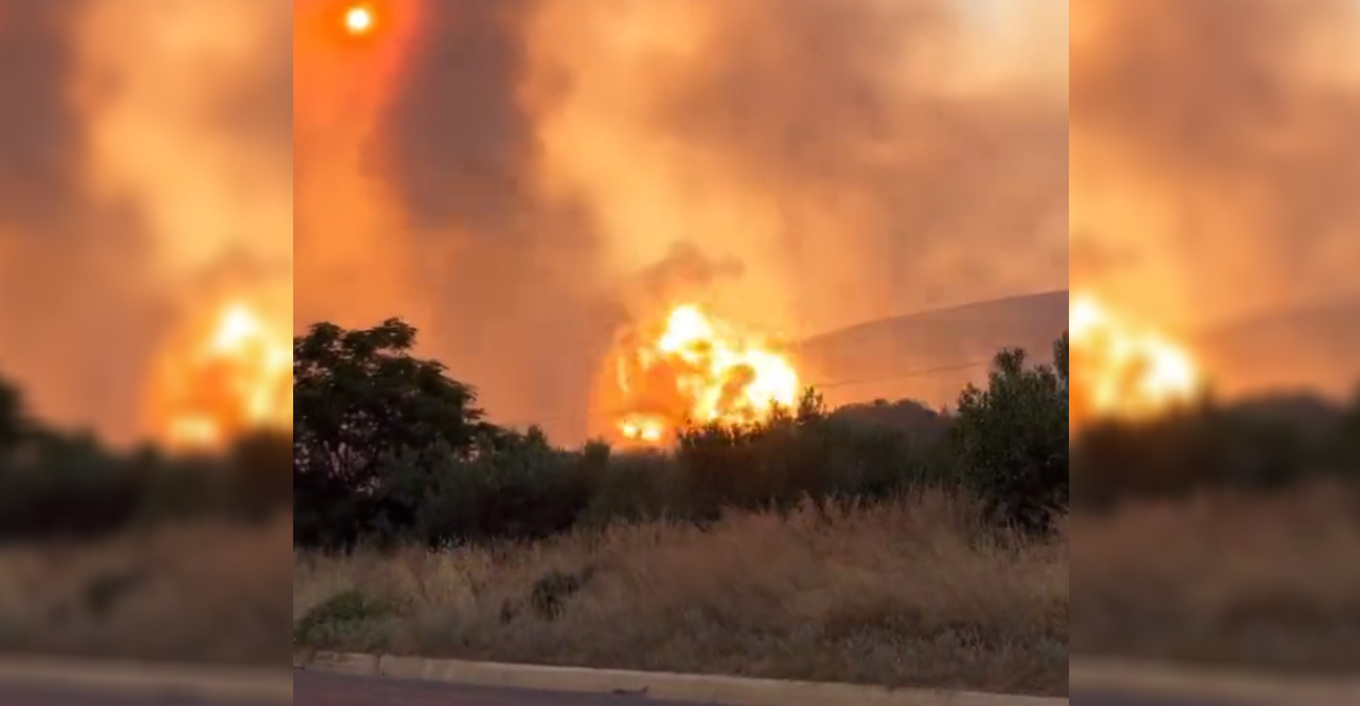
[(698, 370), (1120, 371), (359, 20), (236, 379)]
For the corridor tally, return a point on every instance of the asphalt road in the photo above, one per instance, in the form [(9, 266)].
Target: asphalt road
[(321, 689), (1099, 699), (27, 695)]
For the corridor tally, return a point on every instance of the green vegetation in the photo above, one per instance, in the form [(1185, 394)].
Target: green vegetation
[(61, 484), (389, 450), (919, 590), (1265, 444)]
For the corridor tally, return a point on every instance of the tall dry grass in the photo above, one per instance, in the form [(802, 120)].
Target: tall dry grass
[(917, 593), (1226, 578), (207, 591)]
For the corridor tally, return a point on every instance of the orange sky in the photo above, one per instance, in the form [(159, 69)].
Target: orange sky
[(147, 176), (518, 178), (1214, 167), (1214, 154)]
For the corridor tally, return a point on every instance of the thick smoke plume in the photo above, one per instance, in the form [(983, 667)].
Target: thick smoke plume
[(144, 174), (1215, 155), (511, 175)]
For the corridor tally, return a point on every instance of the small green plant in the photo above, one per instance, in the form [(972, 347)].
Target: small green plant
[(550, 593), (346, 617)]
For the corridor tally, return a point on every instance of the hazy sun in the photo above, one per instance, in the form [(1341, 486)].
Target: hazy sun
[(359, 20)]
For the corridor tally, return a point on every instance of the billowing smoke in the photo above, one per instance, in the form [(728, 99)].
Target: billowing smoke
[(511, 175), (147, 175), (1215, 155)]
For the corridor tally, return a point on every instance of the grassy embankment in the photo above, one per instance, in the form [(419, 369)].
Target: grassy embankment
[(918, 592)]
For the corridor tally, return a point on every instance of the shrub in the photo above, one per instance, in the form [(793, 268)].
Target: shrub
[(1264, 443), (485, 484), (1011, 440)]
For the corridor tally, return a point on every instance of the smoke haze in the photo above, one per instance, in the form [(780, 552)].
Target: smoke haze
[(1215, 158), (515, 177), (144, 175)]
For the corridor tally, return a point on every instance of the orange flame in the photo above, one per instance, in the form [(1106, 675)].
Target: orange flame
[(1120, 371), (238, 378), (696, 369)]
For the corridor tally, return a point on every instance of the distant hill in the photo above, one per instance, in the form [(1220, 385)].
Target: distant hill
[(1313, 347), (930, 356)]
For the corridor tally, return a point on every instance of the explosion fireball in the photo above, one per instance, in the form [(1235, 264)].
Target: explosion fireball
[(238, 378), (1120, 371), (694, 369)]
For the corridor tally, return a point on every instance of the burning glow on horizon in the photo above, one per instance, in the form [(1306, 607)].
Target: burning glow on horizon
[(1122, 371), (235, 379), (697, 369)]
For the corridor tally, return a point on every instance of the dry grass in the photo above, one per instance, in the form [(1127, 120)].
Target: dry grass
[(911, 594), (203, 592), (1268, 582)]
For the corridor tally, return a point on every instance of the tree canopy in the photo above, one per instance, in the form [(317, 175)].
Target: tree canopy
[(389, 448), (14, 425), (360, 398), (1012, 438)]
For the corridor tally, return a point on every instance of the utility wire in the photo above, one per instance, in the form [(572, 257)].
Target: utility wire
[(600, 414)]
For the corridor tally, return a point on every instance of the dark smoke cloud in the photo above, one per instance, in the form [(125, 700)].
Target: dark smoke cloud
[(37, 134), (458, 141), (81, 315), (684, 274), (63, 267), (1236, 121), (964, 198), (506, 278), (955, 192)]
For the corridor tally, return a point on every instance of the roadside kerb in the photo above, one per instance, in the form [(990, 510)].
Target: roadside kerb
[(698, 688), (149, 679), (1115, 676)]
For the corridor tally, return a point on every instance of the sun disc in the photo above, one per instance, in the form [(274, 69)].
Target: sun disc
[(359, 20)]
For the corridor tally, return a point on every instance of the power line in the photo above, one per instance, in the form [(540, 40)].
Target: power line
[(902, 376), (601, 414)]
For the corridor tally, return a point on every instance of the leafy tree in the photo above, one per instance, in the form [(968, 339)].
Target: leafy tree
[(526, 489), (1012, 439), (260, 464), (361, 397), (14, 424), (1348, 439)]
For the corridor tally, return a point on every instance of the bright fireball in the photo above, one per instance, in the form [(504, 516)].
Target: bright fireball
[(235, 378), (1119, 370), (696, 369)]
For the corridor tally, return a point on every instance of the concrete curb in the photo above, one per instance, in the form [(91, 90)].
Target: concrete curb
[(697, 688), (1115, 676), (148, 679)]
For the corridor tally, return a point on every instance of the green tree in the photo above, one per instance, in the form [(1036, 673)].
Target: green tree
[(361, 397), (14, 423), (1012, 439)]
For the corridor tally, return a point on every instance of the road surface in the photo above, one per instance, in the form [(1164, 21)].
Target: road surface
[(321, 689), (29, 695), (1099, 699)]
